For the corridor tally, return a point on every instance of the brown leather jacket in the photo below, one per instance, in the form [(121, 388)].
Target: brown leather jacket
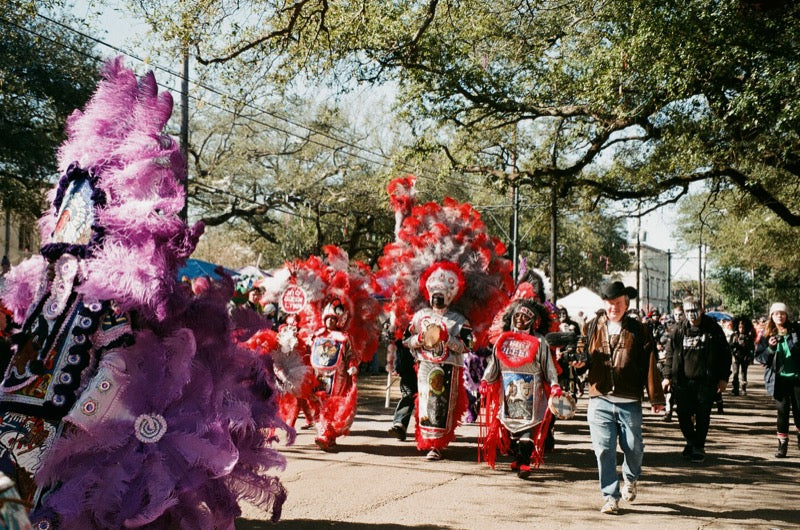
[(634, 361)]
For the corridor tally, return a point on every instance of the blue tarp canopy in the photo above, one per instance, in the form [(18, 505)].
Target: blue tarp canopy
[(195, 268)]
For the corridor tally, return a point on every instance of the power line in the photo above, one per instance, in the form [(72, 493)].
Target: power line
[(214, 105), (220, 93)]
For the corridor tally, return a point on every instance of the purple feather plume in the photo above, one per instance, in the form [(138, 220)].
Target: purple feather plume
[(186, 437)]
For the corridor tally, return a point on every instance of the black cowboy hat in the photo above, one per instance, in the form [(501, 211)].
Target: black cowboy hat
[(615, 289)]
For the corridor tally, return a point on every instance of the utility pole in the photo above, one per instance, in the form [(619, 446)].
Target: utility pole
[(514, 231), (638, 260), (705, 275), (185, 131), (185, 111), (700, 274), (515, 227), (669, 281), (554, 239)]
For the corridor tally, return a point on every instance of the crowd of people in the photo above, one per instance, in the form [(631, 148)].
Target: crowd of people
[(685, 362), (130, 398)]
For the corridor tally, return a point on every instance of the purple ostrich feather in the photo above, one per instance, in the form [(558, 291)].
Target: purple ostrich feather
[(211, 401)]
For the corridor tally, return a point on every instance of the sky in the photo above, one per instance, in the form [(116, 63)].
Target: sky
[(659, 231)]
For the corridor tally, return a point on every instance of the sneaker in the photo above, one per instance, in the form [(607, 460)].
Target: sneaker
[(698, 456), (667, 417), (687, 451), (433, 454), (524, 471), (629, 491), (398, 432), (611, 507)]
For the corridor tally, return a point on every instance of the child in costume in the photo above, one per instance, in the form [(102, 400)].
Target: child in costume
[(126, 402), (335, 367), (294, 377), (447, 279)]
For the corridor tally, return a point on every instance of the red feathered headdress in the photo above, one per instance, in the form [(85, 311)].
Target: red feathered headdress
[(329, 279), (448, 233)]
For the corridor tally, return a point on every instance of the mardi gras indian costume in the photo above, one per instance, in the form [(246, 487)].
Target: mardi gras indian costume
[(447, 278), (521, 376), (333, 311), (125, 402)]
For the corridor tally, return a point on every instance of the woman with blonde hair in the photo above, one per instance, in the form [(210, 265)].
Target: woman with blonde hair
[(778, 351)]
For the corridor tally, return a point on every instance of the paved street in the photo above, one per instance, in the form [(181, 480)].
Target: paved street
[(375, 481)]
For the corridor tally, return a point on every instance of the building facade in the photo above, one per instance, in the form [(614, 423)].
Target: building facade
[(653, 282)]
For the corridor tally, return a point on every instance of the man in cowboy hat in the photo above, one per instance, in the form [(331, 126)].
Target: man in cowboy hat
[(621, 361)]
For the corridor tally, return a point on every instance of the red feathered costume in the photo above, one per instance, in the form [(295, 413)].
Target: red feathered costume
[(447, 279), (336, 317), (519, 377)]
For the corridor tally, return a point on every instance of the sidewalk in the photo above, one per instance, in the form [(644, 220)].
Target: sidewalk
[(377, 482)]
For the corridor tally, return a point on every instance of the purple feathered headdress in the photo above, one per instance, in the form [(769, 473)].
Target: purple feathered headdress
[(136, 175)]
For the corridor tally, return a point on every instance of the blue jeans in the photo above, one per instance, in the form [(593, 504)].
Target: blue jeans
[(606, 421)]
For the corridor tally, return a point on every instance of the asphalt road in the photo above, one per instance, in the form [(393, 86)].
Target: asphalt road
[(378, 482)]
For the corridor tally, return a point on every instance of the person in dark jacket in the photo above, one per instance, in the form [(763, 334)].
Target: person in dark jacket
[(698, 364), (404, 367), (622, 362), (743, 344), (778, 350)]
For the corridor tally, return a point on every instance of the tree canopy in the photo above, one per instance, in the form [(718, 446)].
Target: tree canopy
[(636, 99), (45, 75)]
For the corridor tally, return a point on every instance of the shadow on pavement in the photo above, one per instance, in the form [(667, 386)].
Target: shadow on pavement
[(310, 524), (789, 516)]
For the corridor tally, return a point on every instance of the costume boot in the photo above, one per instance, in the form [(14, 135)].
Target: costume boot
[(783, 447), (525, 451)]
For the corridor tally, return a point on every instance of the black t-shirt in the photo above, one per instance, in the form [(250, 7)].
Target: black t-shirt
[(695, 353)]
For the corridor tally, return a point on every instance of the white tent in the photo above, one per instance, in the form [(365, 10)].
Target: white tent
[(583, 299), (247, 276)]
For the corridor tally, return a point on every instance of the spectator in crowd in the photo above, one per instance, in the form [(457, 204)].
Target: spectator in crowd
[(580, 318), (404, 366), (698, 364), (677, 313), (778, 351), (661, 350), (568, 378), (742, 343)]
